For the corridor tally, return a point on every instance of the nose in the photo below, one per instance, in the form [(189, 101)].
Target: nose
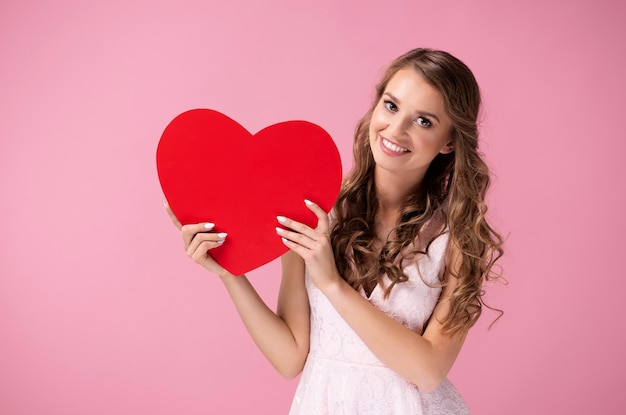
[(397, 126)]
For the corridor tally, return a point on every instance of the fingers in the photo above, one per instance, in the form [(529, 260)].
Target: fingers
[(196, 235), (191, 230), (173, 217), (203, 242), (301, 234), (297, 248), (319, 212), (322, 216), (290, 237), (322, 222)]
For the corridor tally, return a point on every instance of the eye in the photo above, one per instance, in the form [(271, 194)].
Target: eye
[(391, 106), (423, 122)]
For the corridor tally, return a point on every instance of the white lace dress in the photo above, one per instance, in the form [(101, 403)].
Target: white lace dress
[(343, 377)]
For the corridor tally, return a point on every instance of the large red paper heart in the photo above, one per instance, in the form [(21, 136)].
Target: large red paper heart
[(212, 169)]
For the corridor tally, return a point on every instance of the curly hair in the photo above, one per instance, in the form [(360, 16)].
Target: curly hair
[(451, 199)]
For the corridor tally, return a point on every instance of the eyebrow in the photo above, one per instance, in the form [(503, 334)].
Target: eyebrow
[(428, 114)]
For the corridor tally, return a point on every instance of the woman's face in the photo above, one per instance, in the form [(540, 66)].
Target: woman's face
[(409, 126)]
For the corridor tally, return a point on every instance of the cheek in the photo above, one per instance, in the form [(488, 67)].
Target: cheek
[(371, 133), (441, 139), (378, 120)]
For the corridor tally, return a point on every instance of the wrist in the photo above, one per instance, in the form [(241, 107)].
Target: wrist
[(332, 286), (226, 276)]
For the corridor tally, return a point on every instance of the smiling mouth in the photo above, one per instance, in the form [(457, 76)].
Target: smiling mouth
[(393, 147)]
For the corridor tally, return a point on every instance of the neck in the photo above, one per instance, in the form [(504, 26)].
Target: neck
[(392, 190)]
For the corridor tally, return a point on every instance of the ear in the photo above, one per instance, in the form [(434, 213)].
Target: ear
[(448, 148)]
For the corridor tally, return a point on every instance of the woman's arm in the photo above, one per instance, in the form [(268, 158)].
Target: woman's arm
[(423, 359), (283, 337)]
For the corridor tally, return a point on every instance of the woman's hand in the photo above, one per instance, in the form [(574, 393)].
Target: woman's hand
[(313, 245), (198, 240)]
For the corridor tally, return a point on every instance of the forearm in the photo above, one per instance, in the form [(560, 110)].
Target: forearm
[(423, 361), (407, 353), (270, 332)]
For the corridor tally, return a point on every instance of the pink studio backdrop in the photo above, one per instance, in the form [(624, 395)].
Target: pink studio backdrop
[(102, 313)]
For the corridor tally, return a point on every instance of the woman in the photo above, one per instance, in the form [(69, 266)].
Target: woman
[(376, 301)]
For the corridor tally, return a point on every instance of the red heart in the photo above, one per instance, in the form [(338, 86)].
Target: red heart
[(212, 169)]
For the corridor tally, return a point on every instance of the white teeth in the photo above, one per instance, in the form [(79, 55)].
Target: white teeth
[(391, 146)]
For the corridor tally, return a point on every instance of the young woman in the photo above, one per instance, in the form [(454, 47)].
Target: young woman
[(376, 301)]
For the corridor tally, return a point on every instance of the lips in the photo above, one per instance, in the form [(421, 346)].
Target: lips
[(392, 148)]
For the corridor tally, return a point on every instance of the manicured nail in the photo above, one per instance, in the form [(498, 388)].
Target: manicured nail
[(209, 226), (308, 202), (279, 231), (284, 240), (221, 241), (222, 235), (281, 219)]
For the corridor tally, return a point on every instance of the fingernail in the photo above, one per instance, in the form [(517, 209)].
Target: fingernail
[(222, 235), (281, 219), (209, 226), (308, 202), (221, 241), (284, 240), (279, 230)]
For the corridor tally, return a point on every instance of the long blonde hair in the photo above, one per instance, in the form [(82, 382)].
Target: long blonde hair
[(452, 195)]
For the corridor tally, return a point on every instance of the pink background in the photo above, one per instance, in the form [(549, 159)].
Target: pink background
[(102, 313)]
